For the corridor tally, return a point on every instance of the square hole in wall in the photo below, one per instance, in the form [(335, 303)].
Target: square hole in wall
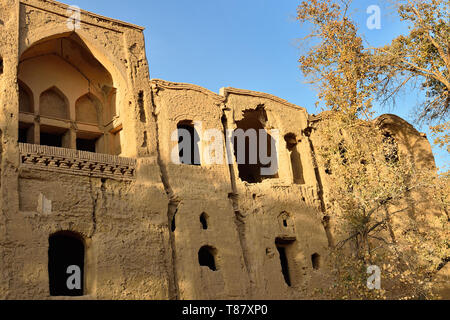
[(53, 137), (87, 141), (26, 132)]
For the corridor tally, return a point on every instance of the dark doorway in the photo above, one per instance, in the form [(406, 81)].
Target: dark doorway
[(206, 257), (189, 149), (285, 249), (284, 264), (66, 250)]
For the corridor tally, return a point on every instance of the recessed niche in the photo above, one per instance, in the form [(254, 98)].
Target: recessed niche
[(315, 260), (207, 257), (204, 221)]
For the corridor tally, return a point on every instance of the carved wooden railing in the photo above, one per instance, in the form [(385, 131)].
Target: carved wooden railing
[(74, 162)]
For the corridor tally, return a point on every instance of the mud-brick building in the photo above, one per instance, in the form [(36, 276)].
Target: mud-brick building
[(87, 177)]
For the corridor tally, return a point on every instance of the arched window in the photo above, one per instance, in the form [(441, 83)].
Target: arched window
[(204, 221), (286, 223), (53, 103), (207, 257), (66, 264)]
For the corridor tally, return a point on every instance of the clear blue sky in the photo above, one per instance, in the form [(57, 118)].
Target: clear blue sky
[(248, 44)]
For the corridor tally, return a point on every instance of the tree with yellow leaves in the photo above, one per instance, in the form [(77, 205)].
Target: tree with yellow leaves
[(378, 192)]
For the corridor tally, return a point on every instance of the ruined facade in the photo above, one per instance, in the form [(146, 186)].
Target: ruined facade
[(87, 173)]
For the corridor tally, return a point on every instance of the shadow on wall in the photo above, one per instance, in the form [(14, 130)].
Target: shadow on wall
[(296, 162)]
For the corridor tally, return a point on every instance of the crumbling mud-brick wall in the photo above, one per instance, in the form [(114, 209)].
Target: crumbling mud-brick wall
[(199, 190), (281, 214), (250, 221), (91, 151)]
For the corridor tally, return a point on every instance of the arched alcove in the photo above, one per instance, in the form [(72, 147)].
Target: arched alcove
[(26, 100), (76, 90), (285, 222), (88, 109), (66, 261), (54, 104), (88, 112)]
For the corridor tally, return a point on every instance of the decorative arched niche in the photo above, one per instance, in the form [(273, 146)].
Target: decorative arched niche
[(26, 99), (54, 104), (88, 109), (77, 96), (26, 107), (286, 224)]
